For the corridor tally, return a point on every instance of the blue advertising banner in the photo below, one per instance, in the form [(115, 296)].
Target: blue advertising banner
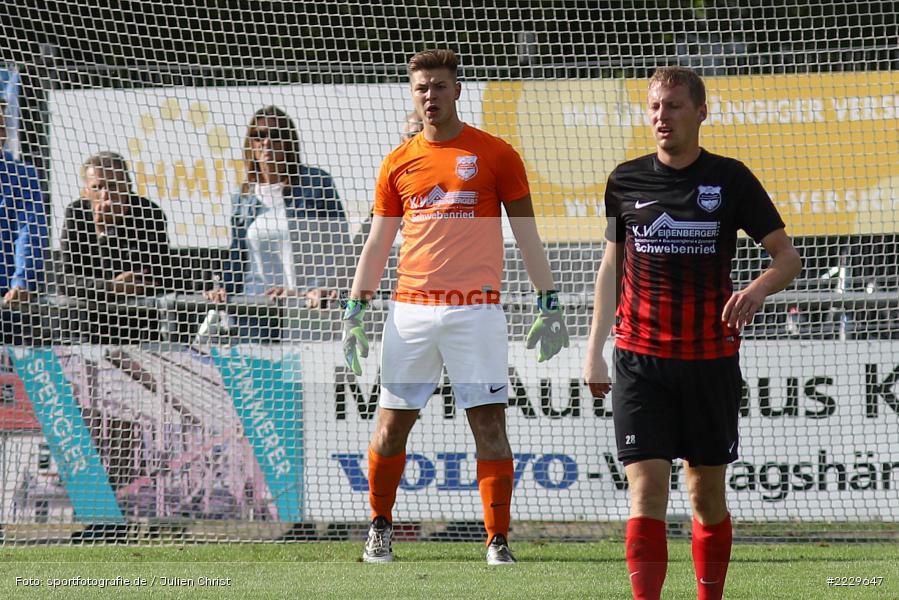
[(268, 396), (68, 438)]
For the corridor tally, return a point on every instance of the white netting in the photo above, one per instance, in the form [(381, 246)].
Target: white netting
[(138, 400)]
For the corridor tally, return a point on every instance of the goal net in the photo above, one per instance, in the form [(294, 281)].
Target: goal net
[(185, 190)]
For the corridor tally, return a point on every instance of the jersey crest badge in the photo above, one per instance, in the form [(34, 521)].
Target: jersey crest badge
[(709, 198), (466, 167)]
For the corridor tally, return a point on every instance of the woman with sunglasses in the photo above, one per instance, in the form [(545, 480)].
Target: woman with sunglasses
[(287, 225)]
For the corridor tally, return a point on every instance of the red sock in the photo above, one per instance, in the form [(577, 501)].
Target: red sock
[(646, 549), (711, 555), (384, 474), (495, 484)]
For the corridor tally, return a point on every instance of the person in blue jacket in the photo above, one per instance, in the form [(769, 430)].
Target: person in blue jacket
[(23, 238), (289, 228)]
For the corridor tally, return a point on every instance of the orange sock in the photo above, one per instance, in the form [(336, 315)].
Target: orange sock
[(384, 474), (495, 483)]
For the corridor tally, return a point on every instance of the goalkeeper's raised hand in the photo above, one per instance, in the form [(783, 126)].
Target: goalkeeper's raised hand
[(355, 342), (549, 329)]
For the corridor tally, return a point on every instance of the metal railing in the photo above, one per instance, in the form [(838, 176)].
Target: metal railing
[(187, 319)]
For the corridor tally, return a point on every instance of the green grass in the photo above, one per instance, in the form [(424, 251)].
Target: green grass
[(440, 570)]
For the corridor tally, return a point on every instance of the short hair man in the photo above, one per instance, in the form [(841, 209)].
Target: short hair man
[(677, 375), (446, 187), (115, 244), (23, 237)]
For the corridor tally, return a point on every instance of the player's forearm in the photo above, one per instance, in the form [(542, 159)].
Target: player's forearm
[(604, 305), (368, 272), (780, 273), (532, 253), (537, 266), (374, 257), (605, 298)]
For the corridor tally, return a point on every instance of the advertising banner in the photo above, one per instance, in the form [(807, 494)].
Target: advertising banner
[(248, 433), (67, 435), (818, 427), (820, 143), (268, 397), (185, 144), (135, 434)]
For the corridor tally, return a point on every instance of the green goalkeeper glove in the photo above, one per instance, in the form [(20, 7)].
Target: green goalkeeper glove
[(549, 329), (355, 342)]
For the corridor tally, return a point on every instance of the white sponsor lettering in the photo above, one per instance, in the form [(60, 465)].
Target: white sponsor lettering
[(437, 216), (613, 114), (61, 425), (262, 423), (674, 249), (853, 200), (439, 197), (866, 108), (667, 235), (763, 112)]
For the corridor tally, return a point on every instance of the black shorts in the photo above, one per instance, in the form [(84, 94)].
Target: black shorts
[(670, 408)]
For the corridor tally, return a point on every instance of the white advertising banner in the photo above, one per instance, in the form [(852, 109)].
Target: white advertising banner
[(185, 144), (819, 430)]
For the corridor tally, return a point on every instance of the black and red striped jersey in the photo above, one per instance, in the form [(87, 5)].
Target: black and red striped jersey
[(680, 228)]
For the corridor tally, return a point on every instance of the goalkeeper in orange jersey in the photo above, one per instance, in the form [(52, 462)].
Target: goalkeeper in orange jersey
[(446, 187), (673, 221)]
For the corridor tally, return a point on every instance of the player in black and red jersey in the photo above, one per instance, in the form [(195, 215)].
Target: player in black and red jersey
[(673, 220)]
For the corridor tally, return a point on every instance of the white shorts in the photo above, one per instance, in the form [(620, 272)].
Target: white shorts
[(419, 339)]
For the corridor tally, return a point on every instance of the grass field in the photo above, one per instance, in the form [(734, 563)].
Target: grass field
[(437, 570)]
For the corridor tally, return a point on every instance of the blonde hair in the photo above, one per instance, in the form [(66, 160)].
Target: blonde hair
[(674, 76), (108, 161)]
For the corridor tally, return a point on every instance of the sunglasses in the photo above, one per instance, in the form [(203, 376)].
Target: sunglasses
[(113, 187), (264, 133)]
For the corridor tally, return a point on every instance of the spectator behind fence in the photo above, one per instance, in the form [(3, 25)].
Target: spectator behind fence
[(115, 249), (288, 227), (23, 237), (411, 126)]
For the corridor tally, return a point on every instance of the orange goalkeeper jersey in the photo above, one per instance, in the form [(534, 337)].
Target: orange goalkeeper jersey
[(449, 195)]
